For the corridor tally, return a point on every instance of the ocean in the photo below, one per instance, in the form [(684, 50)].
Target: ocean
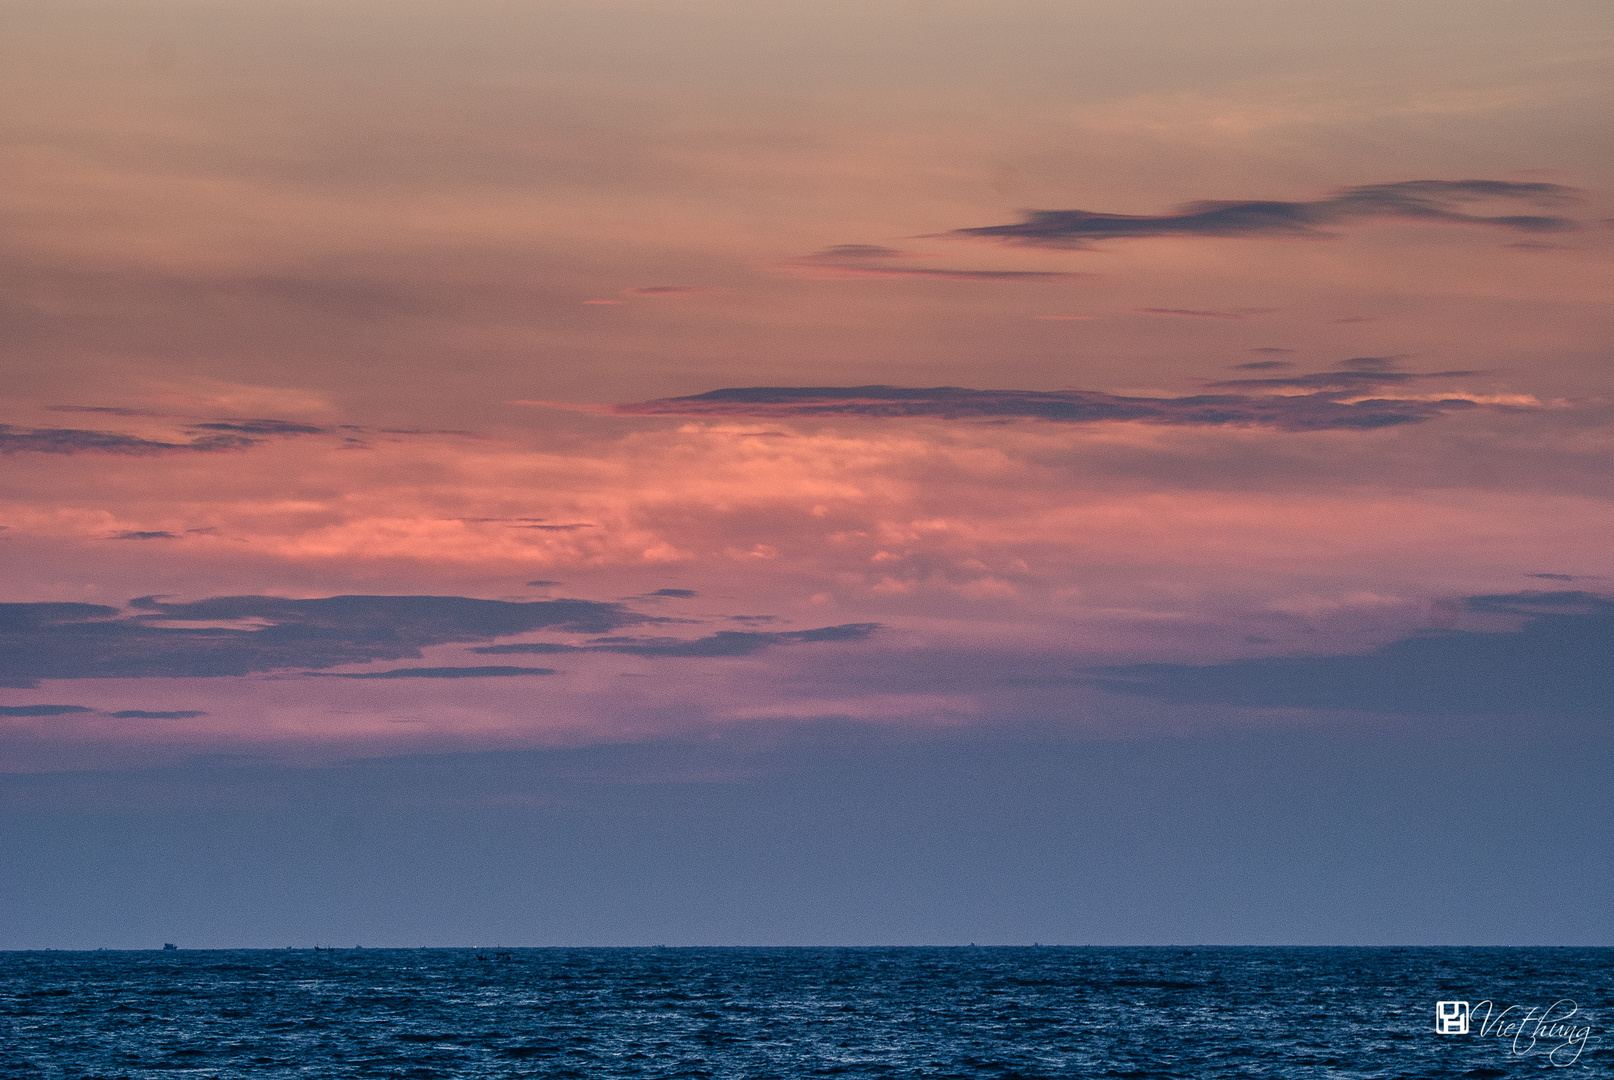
[(1001, 1012)]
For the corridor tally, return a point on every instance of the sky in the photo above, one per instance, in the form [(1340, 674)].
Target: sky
[(895, 472)]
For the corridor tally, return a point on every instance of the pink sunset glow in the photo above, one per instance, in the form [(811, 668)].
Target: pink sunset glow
[(837, 395)]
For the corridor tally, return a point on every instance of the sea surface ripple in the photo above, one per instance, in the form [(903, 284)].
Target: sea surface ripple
[(1001, 1012)]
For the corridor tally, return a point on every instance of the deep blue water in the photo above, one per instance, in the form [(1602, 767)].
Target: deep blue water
[(866, 1012)]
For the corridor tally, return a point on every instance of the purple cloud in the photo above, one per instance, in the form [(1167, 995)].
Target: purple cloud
[(1334, 402), (437, 673), (846, 261), (14, 440), (91, 641), (722, 643), (1410, 200)]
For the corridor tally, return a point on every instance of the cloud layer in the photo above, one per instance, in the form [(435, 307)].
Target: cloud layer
[(1408, 200), (1555, 665), (437, 673), (1336, 402), (846, 261), (722, 643), (200, 436), (120, 714), (267, 633), (15, 440), (79, 641)]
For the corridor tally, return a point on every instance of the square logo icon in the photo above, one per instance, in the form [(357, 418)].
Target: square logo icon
[(1451, 1017)]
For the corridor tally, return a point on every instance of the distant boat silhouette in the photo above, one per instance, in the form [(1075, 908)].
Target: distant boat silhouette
[(169, 945)]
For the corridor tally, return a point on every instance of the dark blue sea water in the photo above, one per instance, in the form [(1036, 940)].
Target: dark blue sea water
[(869, 1012)]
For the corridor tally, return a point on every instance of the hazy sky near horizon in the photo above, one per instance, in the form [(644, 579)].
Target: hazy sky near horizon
[(531, 377)]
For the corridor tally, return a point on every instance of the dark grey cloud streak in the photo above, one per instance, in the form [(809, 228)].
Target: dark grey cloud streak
[(436, 673), (15, 440), (205, 437), (1555, 665), (1410, 200), (211, 436), (873, 261), (93, 641), (722, 643), (42, 710), (1334, 400), (1190, 313), (1361, 374), (160, 714), (121, 714)]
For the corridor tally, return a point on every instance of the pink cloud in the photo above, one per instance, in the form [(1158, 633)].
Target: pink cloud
[(1014, 542)]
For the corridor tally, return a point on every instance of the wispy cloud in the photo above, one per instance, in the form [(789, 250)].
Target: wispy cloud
[(121, 714), (104, 410), (667, 290), (1556, 665), (847, 261), (722, 643), (1409, 200), (1334, 401), (14, 440), (42, 710), (161, 714), (1189, 313), (1353, 378), (265, 633), (261, 427), (437, 673), (187, 434)]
